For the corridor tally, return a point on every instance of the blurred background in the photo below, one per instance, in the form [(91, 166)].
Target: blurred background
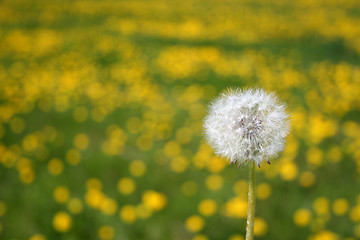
[(101, 109)]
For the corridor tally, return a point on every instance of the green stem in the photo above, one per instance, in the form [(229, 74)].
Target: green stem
[(251, 204)]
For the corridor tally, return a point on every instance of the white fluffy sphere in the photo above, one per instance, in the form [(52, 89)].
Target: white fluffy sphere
[(247, 125)]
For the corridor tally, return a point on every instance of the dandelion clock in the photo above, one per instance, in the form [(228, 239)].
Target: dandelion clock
[(247, 127)]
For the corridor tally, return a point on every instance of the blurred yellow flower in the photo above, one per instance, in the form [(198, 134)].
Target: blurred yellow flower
[(314, 156), (154, 200), (214, 182), (108, 206), (126, 186), (355, 213), (37, 237), (241, 188), (61, 194), (142, 211), (133, 125), (94, 198), (27, 174), (350, 128), (75, 205), (184, 135), (73, 157), (194, 223), (80, 114), (128, 214), (260, 227), (81, 141), (236, 207), (55, 166), (144, 142), (236, 237), (97, 114), (320, 128), (200, 237), (325, 235), (106, 233), (307, 179), (357, 230), (93, 183), (302, 217), (137, 168), (334, 154), (263, 191), (340, 206), (207, 207), (288, 171), (321, 206), (30, 142), (179, 164), (172, 149), (2, 131), (62, 222), (17, 125), (2, 208), (216, 164)]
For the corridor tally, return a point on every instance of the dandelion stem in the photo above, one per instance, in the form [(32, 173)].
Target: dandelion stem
[(251, 203)]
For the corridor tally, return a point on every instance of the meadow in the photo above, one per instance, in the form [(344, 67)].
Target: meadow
[(102, 106)]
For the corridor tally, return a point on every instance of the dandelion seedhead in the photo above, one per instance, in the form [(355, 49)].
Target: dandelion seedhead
[(247, 125)]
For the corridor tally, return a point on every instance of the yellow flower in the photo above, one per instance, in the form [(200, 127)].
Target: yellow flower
[(126, 186), (263, 191), (73, 157), (137, 168), (302, 217), (288, 171), (355, 213), (236, 207), (194, 223), (128, 214), (340, 206), (81, 141), (61, 194), (17, 125), (93, 183), (260, 227), (75, 206), (214, 182), (3, 208), (80, 114), (108, 206), (154, 200), (207, 207), (172, 149), (326, 235), (321, 206), (62, 222), (55, 166), (106, 233), (307, 179), (37, 237), (179, 164), (236, 237), (200, 237)]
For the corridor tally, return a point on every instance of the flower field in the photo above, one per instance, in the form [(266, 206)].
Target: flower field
[(101, 118)]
